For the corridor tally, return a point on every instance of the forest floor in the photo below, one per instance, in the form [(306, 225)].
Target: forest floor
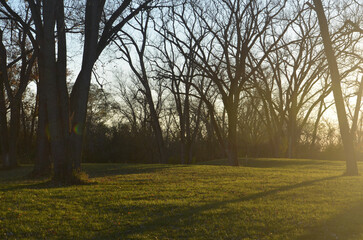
[(265, 199)]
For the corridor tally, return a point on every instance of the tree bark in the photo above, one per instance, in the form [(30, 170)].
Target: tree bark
[(57, 138), (80, 91), (4, 137), (4, 140), (14, 132), (42, 166), (232, 135)]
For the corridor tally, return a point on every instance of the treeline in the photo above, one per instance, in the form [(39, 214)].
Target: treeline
[(206, 79)]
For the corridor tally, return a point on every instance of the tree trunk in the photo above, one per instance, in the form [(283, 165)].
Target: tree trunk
[(79, 99), (4, 137), (232, 136), (57, 138), (292, 136), (347, 138), (316, 126), (33, 118), (292, 140), (4, 141), (62, 90), (14, 132), (156, 125), (80, 91), (188, 139), (42, 166)]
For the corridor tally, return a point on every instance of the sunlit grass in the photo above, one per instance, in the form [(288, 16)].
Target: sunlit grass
[(267, 199)]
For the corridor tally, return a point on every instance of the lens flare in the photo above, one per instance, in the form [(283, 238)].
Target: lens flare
[(77, 129)]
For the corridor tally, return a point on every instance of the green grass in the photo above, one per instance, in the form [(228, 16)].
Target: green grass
[(266, 199)]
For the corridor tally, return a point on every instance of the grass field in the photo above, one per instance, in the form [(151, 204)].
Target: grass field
[(265, 199)]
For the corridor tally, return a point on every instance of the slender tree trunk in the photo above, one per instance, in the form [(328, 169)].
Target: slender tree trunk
[(182, 144), (347, 138), (353, 130), (33, 118), (156, 125), (188, 144), (316, 125), (25, 130)]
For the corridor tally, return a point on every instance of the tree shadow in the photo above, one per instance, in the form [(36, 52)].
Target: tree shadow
[(348, 224), (273, 163), (107, 170), (15, 174), (45, 184), (185, 214), (267, 163), (92, 170)]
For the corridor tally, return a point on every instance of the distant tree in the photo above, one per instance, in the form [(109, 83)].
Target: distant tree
[(227, 35), (15, 76), (178, 74), (291, 84), (136, 43)]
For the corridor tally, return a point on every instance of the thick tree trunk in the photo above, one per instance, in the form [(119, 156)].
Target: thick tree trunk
[(183, 152), (57, 137), (232, 137), (63, 98), (80, 91), (347, 138), (4, 140), (4, 137), (14, 132), (79, 99), (42, 166), (292, 136)]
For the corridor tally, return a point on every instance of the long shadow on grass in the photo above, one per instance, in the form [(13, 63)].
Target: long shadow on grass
[(186, 214), (45, 184), (346, 225), (268, 163), (94, 171), (107, 170), (16, 174)]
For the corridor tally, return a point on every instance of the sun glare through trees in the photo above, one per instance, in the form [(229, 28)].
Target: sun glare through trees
[(251, 104)]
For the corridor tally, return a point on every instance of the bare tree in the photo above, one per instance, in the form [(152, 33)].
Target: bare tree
[(347, 138), (15, 76), (291, 84), (227, 38), (66, 113), (137, 42)]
